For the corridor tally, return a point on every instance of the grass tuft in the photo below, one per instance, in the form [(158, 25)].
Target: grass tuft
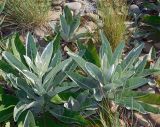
[(113, 14), (26, 14)]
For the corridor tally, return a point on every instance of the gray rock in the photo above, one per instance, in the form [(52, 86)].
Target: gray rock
[(58, 8), (147, 47), (74, 6), (57, 2), (157, 45), (89, 6), (134, 9), (54, 15)]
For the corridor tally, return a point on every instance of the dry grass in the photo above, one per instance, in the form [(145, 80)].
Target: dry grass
[(113, 14), (26, 14)]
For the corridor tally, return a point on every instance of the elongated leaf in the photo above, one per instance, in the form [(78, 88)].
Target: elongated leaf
[(65, 27), (31, 50), (31, 64), (147, 72), (141, 65), (36, 82), (94, 71), (5, 67), (150, 108), (39, 62), (22, 84), (106, 46), (109, 73), (98, 94), (18, 48), (136, 82), (91, 54), (20, 108), (130, 93), (150, 99), (151, 54), (6, 113), (132, 56), (74, 25), (79, 60), (131, 104), (64, 36), (56, 43), (105, 64), (118, 53), (144, 99), (29, 120), (56, 59), (84, 82), (31, 76), (58, 90), (13, 61), (46, 55), (56, 69), (68, 15), (61, 76)]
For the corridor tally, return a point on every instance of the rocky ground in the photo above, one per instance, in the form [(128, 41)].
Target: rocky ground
[(86, 8)]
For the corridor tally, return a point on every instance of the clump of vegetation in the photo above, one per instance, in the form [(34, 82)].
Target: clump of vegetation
[(38, 88), (113, 14), (68, 26), (116, 79), (44, 88), (26, 14)]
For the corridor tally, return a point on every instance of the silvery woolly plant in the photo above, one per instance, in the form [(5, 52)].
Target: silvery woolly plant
[(117, 78), (68, 26), (38, 81)]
